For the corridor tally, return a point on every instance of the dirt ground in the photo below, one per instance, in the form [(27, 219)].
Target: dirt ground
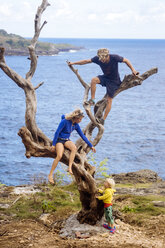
[(31, 233), (45, 232)]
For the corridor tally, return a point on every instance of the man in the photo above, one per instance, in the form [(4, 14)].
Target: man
[(110, 78)]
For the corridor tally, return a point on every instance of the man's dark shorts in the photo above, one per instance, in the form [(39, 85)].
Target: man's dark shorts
[(111, 86)]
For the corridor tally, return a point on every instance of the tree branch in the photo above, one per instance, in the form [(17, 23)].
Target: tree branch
[(92, 117), (131, 80), (20, 81), (45, 22), (39, 85), (128, 82), (85, 85), (38, 28), (41, 150), (86, 105)]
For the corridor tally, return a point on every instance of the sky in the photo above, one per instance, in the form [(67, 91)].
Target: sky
[(133, 19)]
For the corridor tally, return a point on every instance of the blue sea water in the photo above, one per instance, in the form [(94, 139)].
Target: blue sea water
[(134, 136)]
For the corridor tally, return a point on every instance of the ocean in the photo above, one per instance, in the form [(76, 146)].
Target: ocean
[(134, 136)]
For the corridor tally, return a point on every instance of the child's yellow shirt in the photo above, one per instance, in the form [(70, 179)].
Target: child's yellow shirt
[(107, 196)]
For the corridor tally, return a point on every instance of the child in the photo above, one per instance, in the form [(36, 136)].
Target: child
[(107, 198)]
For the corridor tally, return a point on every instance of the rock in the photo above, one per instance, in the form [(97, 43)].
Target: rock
[(159, 203), (27, 189), (154, 189), (4, 205), (22, 241), (81, 236), (162, 185), (117, 214), (44, 218), (141, 176), (72, 226)]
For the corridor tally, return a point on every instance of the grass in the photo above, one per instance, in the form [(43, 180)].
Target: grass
[(64, 200), (144, 204), (138, 209), (56, 200), (131, 185)]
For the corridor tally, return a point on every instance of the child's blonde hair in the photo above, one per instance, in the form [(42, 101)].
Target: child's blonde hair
[(110, 182), (75, 114)]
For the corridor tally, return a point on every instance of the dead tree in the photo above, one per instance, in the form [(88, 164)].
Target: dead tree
[(37, 144)]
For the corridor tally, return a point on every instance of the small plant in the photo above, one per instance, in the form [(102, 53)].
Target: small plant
[(39, 179), (59, 177), (127, 209), (1, 184), (47, 206), (101, 169)]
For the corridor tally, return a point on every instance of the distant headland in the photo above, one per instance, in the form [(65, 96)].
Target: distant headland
[(17, 45)]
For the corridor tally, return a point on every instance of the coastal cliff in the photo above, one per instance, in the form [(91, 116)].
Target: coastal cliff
[(17, 45)]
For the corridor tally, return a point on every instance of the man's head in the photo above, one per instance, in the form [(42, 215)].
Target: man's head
[(103, 54)]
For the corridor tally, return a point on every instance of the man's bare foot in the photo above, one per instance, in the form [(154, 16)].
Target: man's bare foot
[(51, 181)]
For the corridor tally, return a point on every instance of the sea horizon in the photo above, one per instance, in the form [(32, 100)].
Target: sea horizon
[(97, 38)]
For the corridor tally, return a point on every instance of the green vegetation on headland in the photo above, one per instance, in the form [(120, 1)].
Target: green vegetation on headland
[(17, 45)]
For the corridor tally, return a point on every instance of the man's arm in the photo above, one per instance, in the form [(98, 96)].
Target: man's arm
[(127, 62), (81, 62)]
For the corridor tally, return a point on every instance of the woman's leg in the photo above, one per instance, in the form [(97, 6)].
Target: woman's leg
[(59, 151), (73, 149)]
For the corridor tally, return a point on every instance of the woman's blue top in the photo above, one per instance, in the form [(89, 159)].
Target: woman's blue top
[(65, 129)]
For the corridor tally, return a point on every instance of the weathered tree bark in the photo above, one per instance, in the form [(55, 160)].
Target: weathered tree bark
[(38, 145)]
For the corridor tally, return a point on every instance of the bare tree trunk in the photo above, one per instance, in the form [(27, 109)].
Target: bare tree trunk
[(38, 145), (25, 83)]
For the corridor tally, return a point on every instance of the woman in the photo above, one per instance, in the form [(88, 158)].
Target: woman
[(61, 139)]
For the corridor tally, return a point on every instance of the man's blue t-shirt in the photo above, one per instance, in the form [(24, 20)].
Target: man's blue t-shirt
[(110, 69)]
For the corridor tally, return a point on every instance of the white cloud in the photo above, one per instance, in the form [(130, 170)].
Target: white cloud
[(92, 17), (158, 12), (62, 9), (63, 13), (114, 16), (5, 9), (77, 18), (27, 5), (136, 16)]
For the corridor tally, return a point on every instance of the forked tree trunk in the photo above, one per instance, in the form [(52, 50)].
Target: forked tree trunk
[(38, 145)]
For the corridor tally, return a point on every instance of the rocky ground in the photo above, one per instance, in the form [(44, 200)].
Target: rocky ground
[(29, 233), (50, 231)]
